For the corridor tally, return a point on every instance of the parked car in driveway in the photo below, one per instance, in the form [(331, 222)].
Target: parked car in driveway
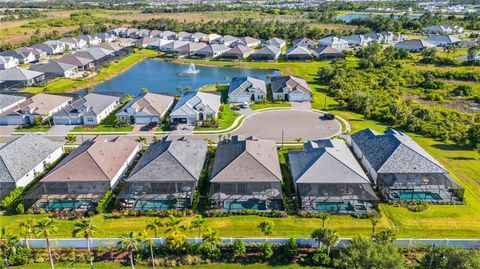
[(329, 116)]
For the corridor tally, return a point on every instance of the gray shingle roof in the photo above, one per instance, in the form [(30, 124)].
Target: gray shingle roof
[(295, 83), (190, 100), (20, 156), (297, 50), (395, 152), (153, 104), (171, 160), (241, 85), (246, 160), (52, 67), (18, 74), (90, 104), (7, 100), (268, 50), (326, 161)]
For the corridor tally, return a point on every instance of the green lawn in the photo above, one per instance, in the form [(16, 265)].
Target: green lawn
[(32, 129), (225, 120), (63, 85)]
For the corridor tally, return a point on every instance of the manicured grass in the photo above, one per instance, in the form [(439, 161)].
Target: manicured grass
[(63, 85), (33, 129), (227, 118)]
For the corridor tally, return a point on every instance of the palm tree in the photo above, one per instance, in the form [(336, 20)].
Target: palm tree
[(45, 228), (328, 237), (45, 116), (179, 90), (145, 238), (27, 229), (173, 225), (142, 140), (144, 91), (7, 242), (86, 228), (199, 223), (266, 228), (155, 138), (188, 89), (374, 222), (130, 242), (71, 139), (324, 216), (154, 226), (212, 238)]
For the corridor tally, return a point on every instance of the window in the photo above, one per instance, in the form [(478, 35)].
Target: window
[(89, 120)]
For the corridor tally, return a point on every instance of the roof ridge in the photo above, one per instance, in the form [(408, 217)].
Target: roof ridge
[(346, 165), (173, 155), (234, 159), (263, 164), (63, 165), (8, 170), (101, 169), (309, 164)]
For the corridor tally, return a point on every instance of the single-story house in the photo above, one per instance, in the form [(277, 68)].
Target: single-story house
[(238, 52), (357, 40), (402, 170), (100, 56), (246, 175), (210, 51), (170, 45), (90, 109), (145, 41), (24, 158), (443, 40), (72, 43), (211, 38), (303, 42), (298, 53), (195, 106), (248, 41), (8, 101), (290, 88), (188, 49), (81, 63), (23, 57), (20, 77), (166, 175), (121, 32), (7, 62), (196, 37), (183, 36), (277, 42), (415, 45), (131, 33), (327, 53), (143, 33), (328, 178), (246, 89), (51, 47), (267, 53), (168, 35), (105, 37), (38, 106), (91, 40), (39, 54), (86, 174), (155, 33), (443, 29), (228, 40), (55, 69), (334, 42), (146, 108)]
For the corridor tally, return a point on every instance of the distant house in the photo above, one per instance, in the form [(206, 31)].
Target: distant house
[(238, 52), (246, 175), (100, 56), (7, 62), (55, 69), (389, 37), (327, 53), (105, 37), (290, 88), (195, 106), (145, 41), (146, 108), (402, 170), (357, 40), (161, 44), (443, 29), (144, 33), (132, 33), (51, 47), (303, 42), (121, 32), (211, 38), (183, 36), (277, 42), (328, 178), (118, 51), (267, 53), (228, 40), (80, 180), (166, 176), (415, 45), (169, 35), (8, 101), (70, 43), (23, 57), (91, 109), (248, 41), (155, 33), (211, 51), (39, 54), (22, 159), (38, 106), (169, 45), (443, 40), (196, 37), (334, 42), (298, 53), (188, 49), (19, 77), (247, 89), (81, 63)]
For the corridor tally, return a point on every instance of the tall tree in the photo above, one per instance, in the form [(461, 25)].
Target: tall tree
[(45, 228), (328, 237), (87, 229), (27, 227), (212, 238), (131, 243), (199, 224), (324, 216), (7, 243), (266, 228), (154, 226), (148, 239)]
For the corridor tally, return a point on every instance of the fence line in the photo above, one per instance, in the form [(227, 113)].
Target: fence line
[(112, 242)]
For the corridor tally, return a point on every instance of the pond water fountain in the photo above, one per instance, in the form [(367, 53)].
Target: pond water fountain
[(191, 70)]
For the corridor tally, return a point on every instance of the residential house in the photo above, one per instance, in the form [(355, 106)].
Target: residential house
[(415, 45), (298, 53), (390, 38), (248, 41), (237, 53), (81, 63), (155, 34), (100, 56), (444, 29), (247, 89), (81, 179), (142, 33), (402, 170), (160, 44), (188, 49), (267, 53), (91, 40), (8, 101), (51, 47), (357, 40), (146, 108), (246, 175), (55, 69), (106, 37), (118, 51), (290, 88), (183, 36), (327, 53), (38, 106), (211, 38), (166, 176), (90, 109), (15, 78), (210, 51), (171, 45), (7, 62), (39, 54), (228, 40), (70, 43), (303, 42), (195, 106), (443, 40), (23, 57), (277, 42), (328, 178), (168, 35), (131, 33), (196, 37), (145, 41), (334, 42), (24, 158), (121, 32)]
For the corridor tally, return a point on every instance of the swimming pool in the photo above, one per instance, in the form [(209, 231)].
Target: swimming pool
[(418, 196), (334, 206), (155, 204), (241, 205), (63, 204)]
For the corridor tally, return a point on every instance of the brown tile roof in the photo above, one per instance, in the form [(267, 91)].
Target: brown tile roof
[(41, 103)]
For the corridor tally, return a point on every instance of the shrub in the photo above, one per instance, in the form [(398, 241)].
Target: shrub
[(20, 209), (103, 203), (238, 248), (291, 248), (11, 197), (463, 90), (320, 257), (20, 257), (266, 250)]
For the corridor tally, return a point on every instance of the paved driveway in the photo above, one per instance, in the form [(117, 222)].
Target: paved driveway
[(60, 130), (293, 123)]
